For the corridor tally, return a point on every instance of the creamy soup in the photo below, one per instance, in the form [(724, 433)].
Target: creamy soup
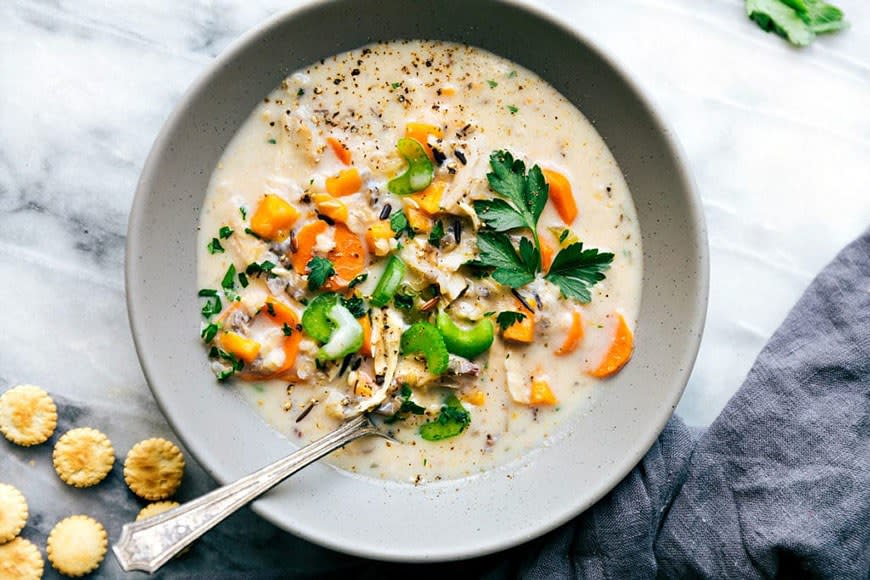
[(427, 232)]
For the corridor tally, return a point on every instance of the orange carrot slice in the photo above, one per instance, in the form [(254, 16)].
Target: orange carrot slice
[(330, 206), (306, 237), (619, 352), (418, 220), (541, 393), (284, 316), (575, 334), (348, 257), (240, 346), (273, 218), (522, 331), (342, 152), (561, 195), (347, 182), (377, 237), (366, 348), (547, 253), (429, 200)]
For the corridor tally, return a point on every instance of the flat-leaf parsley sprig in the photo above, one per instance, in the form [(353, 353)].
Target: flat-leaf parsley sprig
[(523, 197)]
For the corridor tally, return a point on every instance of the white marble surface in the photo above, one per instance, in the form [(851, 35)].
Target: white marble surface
[(778, 140)]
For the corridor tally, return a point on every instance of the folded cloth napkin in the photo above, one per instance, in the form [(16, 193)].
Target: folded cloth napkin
[(779, 485)]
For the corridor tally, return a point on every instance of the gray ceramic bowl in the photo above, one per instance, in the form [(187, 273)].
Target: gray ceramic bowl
[(444, 520)]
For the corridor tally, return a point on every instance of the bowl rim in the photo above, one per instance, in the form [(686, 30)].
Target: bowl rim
[(626, 464)]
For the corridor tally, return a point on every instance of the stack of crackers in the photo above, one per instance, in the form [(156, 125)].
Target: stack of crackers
[(82, 457)]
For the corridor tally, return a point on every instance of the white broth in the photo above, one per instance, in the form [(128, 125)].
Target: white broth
[(267, 212)]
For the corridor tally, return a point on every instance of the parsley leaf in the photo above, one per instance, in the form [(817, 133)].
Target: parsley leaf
[(225, 232), (207, 292), (215, 247), (358, 280), (507, 319), (212, 307), (355, 305), (492, 84), (436, 234), (576, 270), (244, 212), (511, 269), (527, 192), (798, 21), (408, 406), (209, 332), (287, 329), (512, 109), (403, 301), (228, 283), (264, 267), (399, 224), (498, 215), (319, 269), (243, 280)]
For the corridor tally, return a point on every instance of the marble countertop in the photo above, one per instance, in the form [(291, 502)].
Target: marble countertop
[(778, 140)]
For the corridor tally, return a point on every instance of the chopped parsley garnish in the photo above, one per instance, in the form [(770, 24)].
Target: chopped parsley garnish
[(210, 331), (403, 301), (235, 364), (396, 85), (319, 269), (287, 329), (225, 232), (243, 279), (507, 319), (408, 406), (215, 247), (229, 281), (270, 308), (212, 307), (272, 142), (207, 292), (512, 109), (798, 21), (358, 280), (355, 305), (492, 84), (244, 212), (255, 269), (300, 92), (399, 224), (522, 199), (512, 74), (251, 232), (452, 421), (436, 234)]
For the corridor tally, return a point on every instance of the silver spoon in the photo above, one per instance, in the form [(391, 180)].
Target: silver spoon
[(149, 544)]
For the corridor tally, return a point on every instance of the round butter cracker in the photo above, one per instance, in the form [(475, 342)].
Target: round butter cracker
[(154, 468), (83, 457), (156, 508), (20, 560), (28, 415), (77, 545), (13, 512)]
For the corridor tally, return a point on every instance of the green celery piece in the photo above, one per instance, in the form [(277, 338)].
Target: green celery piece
[(452, 421), (315, 320), (774, 16), (420, 171), (423, 338)]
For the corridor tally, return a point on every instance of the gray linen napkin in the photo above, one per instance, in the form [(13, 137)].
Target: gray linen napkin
[(778, 486)]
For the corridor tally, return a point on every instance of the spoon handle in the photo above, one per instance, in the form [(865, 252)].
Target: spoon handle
[(149, 544)]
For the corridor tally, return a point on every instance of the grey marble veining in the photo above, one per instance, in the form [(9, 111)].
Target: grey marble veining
[(778, 140)]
